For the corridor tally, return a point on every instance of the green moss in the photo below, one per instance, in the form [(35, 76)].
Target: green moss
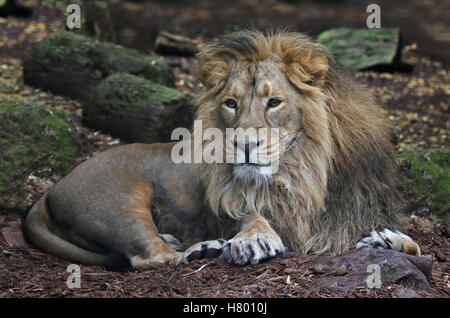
[(134, 90), (424, 177), (63, 64), (118, 59), (32, 140), (137, 110), (361, 48), (71, 64), (65, 45)]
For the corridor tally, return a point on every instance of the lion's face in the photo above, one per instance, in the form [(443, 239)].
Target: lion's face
[(263, 109), (268, 89)]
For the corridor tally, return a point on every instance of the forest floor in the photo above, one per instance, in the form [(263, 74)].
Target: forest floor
[(416, 103)]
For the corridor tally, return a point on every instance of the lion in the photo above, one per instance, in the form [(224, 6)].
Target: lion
[(332, 190)]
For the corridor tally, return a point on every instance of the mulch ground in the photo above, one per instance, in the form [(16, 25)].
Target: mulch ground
[(416, 103), (27, 272)]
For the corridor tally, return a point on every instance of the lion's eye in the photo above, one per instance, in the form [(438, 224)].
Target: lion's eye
[(309, 82), (231, 103), (273, 102)]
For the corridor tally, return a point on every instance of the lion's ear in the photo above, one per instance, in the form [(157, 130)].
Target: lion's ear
[(318, 68), (212, 71), (309, 64)]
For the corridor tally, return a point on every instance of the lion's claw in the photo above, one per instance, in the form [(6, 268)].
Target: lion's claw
[(252, 250)]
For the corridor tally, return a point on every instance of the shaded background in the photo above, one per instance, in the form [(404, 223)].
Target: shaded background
[(416, 103), (137, 23)]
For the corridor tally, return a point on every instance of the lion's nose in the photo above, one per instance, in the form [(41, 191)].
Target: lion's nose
[(248, 147)]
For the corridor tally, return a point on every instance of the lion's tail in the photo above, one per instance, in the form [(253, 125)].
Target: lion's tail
[(37, 232)]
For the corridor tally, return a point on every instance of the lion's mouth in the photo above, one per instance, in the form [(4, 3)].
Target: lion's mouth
[(249, 172)]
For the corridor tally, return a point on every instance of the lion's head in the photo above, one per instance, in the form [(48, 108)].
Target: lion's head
[(283, 80)]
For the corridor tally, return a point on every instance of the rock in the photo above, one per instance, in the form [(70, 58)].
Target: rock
[(407, 293), (351, 270), (12, 233), (174, 44), (31, 139), (71, 64), (424, 179), (136, 110), (363, 48)]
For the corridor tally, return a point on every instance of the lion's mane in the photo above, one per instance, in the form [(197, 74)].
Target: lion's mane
[(335, 184)]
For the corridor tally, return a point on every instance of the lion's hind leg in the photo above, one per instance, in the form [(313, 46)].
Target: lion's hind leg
[(136, 233), (388, 239)]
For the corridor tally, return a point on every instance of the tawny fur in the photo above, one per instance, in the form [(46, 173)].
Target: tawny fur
[(335, 184)]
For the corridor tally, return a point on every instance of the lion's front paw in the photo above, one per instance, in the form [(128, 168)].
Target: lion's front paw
[(252, 249), (206, 249)]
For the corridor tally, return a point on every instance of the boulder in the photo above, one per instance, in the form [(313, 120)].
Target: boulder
[(357, 267), (71, 64), (363, 48), (32, 140), (358, 270), (137, 110)]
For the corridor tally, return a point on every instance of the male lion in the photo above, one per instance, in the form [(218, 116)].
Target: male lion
[(333, 185)]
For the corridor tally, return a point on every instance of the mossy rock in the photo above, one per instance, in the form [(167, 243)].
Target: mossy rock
[(118, 59), (71, 64), (137, 110), (363, 48), (424, 179), (32, 140)]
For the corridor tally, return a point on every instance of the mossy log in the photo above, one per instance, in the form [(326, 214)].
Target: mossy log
[(363, 48), (137, 110), (71, 64), (32, 140), (174, 44)]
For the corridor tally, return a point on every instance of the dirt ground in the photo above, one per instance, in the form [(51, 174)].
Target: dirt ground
[(27, 272), (416, 103)]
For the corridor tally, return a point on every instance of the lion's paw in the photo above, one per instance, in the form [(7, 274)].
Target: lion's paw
[(388, 239), (206, 249), (252, 249)]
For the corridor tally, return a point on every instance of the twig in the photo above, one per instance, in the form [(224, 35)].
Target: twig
[(198, 270)]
